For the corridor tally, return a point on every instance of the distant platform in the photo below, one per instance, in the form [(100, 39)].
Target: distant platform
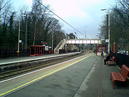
[(31, 58)]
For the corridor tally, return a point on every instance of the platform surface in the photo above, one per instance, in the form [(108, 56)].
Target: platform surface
[(86, 76)]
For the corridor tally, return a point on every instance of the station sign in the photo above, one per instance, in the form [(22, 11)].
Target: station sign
[(107, 40)]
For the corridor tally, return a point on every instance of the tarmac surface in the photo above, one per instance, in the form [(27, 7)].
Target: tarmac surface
[(86, 78)]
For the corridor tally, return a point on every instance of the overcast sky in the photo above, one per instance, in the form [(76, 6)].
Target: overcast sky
[(84, 15)]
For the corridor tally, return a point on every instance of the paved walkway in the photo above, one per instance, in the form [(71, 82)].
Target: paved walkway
[(100, 85), (88, 78)]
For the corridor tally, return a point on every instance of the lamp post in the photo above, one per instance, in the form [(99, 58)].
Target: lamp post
[(26, 34), (108, 27), (34, 32), (52, 36), (52, 40), (19, 35), (18, 45), (108, 19)]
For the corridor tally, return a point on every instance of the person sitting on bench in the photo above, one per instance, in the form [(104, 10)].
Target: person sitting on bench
[(111, 57)]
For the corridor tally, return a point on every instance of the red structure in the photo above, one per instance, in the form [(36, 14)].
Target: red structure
[(37, 50), (100, 48)]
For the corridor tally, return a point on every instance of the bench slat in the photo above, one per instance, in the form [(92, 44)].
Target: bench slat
[(116, 76)]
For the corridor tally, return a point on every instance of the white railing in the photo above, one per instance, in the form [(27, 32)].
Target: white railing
[(60, 46)]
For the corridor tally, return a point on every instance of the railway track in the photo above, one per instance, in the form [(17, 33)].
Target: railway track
[(14, 69)]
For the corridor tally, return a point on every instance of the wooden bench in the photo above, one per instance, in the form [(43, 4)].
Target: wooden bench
[(120, 76)]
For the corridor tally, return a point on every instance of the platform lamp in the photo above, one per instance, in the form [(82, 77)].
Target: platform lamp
[(108, 26), (19, 35), (18, 45)]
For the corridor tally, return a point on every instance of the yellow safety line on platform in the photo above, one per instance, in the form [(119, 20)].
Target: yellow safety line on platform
[(50, 73)]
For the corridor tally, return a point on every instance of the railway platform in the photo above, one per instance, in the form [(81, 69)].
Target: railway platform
[(85, 76), (32, 58)]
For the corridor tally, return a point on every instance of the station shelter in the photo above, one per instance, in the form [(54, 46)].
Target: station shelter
[(37, 50)]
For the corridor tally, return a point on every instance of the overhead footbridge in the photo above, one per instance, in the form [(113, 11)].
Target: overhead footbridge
[(63, 42)]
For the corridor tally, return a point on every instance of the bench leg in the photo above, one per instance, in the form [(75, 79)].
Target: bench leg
[(110, 76), (104, 62), (113, 82)]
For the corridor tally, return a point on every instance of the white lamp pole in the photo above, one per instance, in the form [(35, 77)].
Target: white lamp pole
[(108, 32), (19, 35), (18, 45), (26, 34), (52, 40)]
